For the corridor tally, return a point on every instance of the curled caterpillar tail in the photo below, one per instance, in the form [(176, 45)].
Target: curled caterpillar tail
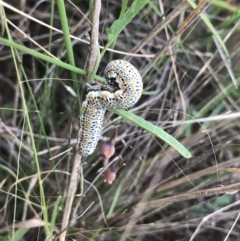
[(123, 90)]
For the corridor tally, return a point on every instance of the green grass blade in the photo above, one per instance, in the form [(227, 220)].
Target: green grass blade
[(55, 212), (46, 58), (117, 27), (18, 235), (66, 34), (155, 130), (211, 104)]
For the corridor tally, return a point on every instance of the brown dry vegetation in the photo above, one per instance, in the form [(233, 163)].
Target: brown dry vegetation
[(157, 194)]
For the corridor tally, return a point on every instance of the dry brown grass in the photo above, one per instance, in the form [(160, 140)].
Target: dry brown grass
[(158, 194)]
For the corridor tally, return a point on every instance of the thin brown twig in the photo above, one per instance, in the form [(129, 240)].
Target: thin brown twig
[(77, 158), (74, 179), (174, 38), (94, 37), (72, 36), (158, 28), (187, 196), (205, 219)]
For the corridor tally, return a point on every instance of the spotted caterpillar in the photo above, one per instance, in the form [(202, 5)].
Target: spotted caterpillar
[(122, 90)]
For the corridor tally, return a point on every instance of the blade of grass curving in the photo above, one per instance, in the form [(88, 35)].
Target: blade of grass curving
[(123, 9), (46, 58), (229, 7), (226, 5), (211, 28), (155, 130), (8, 170), (117, 27), (216, 100)]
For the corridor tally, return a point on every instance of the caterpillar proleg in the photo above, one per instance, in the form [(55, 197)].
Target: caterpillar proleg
[(122, 90)]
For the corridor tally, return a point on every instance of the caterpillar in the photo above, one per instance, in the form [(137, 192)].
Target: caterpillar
[(121, 90)]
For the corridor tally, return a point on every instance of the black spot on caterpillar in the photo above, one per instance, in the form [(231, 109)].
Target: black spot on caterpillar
[(122, 90)]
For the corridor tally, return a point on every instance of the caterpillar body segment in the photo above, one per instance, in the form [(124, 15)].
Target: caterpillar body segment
[(122, 90)]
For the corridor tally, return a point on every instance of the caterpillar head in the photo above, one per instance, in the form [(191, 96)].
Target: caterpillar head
[(111, 78)]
